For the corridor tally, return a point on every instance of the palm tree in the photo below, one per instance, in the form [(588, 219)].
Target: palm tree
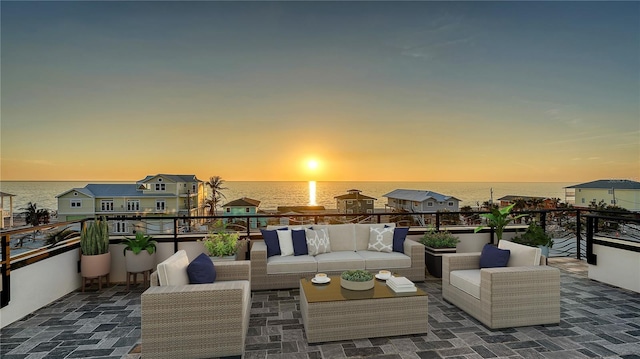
[(216, 184), (35, 216)]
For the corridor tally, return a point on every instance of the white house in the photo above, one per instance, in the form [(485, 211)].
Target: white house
[(621, 193), (412, 200)]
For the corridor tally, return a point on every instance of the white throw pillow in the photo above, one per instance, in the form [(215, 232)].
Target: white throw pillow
[(173, 270), (381, 239), (318, 241), (286, 242)]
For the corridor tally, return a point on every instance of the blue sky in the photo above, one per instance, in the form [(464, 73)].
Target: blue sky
[(416, 91)]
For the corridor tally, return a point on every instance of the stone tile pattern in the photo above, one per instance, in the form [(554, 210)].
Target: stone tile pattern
[(597, 321)]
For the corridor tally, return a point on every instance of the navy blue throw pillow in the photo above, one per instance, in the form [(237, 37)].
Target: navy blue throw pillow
[(299, 242), (399, 235), (201, 270), (271, 240), (494, 257)]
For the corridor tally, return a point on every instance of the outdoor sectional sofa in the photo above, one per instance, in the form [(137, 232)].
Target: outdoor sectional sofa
[(349, 249)]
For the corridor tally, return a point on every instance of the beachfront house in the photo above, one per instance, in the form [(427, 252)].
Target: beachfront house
[(156, 195), (621, 193), (242, 206), (411, 200), (354, 202)]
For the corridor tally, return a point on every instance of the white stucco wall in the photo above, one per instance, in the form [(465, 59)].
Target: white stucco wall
[(617, 267)]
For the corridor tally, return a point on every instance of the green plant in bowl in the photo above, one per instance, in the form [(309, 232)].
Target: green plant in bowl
[(357, 275)]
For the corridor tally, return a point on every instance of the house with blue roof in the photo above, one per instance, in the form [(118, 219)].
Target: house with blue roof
[(612, 192), (411, 200), (158, 196)]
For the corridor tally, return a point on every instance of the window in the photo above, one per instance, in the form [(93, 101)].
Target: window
[(369, 201), (610, 191), (133, 205), (450, 204), (583, 200), (369, 211), (160, 187), (613, 202), (416, 204), (349, 201), (349, 211), (246, 210), (228, 209), (160, 205), (429, 204), (106, 205), (120, 227), (76, 203), (193, 188)]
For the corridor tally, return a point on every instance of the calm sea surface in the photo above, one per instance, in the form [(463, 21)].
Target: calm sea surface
[(273, 194)]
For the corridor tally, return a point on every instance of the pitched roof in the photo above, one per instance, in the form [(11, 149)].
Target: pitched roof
[(243, 202), (609, 184), (417, 195), (175, 178), (512, 197), (357, 196)]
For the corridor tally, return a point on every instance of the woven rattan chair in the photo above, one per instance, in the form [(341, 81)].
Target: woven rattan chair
[(198, 320), (508, 296)]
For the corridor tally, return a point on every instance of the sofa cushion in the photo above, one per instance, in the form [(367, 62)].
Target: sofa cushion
[(173, 270), (271, 240), (381, 239), (363, 232), (291, 264), (201, 270), (299, 242), (467, 280), (493, 257), (521, 255), (339, 261), (318, 241), (286, 242), (341, 236), (399, 235), (381, 260)]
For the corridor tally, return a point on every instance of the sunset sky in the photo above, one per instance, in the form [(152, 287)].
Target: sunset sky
[(372, 91)]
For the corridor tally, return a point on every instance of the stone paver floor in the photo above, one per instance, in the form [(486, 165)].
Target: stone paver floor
[(598, 321)]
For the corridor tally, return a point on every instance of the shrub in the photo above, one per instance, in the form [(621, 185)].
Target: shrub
[(439, 239), (357, 275)]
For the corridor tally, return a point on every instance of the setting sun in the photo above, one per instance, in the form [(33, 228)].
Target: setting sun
[(312, 164)]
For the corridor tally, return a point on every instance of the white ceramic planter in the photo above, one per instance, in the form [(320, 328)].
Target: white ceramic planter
[(347, 284), (137, 263)]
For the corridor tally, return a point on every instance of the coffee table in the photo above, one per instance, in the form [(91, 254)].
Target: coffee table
[(330, 312)]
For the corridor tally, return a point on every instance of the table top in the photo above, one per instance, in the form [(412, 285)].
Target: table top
[(332, 291)]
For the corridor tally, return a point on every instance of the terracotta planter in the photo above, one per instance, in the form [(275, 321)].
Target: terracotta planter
[(347, 284), (433, 259), (95, 266), (137, 263)]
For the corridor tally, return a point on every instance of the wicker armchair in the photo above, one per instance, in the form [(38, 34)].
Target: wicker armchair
[(198, 320), (508, 296)]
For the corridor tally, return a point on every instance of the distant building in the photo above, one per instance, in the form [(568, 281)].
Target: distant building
[(354, 202), (411, 200), (6, 214), (242, 206), (157, 195), (621, 193), (532, 201)]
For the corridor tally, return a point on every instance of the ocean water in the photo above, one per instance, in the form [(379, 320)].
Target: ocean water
[(290, 193)]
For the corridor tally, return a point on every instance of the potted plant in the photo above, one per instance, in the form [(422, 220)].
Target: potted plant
[(437, 243), (535, 236), (139, 253), (95, 258), (498, 219), (356, 280), (222, 244)]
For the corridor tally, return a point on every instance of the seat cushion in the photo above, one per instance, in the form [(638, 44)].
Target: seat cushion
[(467, 280), (521, 255), (173, 270), (201, 270), (339, 261), (381, 260), (291, 264), (494, 257)]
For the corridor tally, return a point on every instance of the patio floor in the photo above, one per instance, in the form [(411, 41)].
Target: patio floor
[(598, 320)]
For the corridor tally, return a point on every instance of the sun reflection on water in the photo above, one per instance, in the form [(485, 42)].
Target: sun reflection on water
[(312, 193)]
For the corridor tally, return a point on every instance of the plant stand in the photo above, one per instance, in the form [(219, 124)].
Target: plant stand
[(145, 277), (433, 259), (91, 279)]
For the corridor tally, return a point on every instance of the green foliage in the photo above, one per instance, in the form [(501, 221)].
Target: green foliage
[(357, 275), (439, 239), (534, 236), (94, 238), (140, 243), (221, 243), (499, 218)]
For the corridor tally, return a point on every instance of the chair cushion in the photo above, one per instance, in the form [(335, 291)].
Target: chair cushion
[(493, 257), (299, 239), (381, 239), (271, 240), (467, 280), (318, 241), (286, 242), (173, 270), (521, 255), (201, 270), (399, 235)]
